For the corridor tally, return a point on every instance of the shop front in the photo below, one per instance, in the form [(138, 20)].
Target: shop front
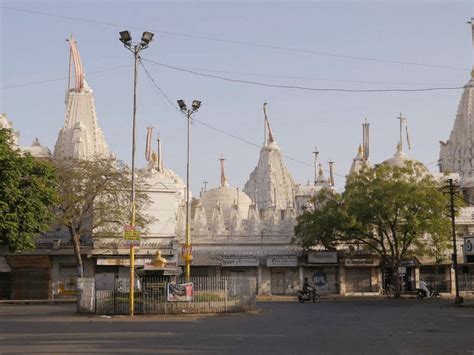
[(30, 276), (5, 279), (360, 274), (321, 270), (284, 274)]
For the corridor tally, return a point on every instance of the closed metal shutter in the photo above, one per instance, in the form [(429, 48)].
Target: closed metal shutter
[(30, 284), (5, 285), (358, 280), (278, 283)]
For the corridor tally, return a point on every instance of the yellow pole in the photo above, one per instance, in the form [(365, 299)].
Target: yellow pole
[(187, 253), (132, 267)]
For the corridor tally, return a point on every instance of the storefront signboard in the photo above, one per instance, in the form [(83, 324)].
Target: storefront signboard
[(322, 257), (282, 261), (362, 262), (121, 262), (240, 262)]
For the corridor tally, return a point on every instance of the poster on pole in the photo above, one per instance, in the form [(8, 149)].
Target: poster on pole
[(131, 235), (180, 292)]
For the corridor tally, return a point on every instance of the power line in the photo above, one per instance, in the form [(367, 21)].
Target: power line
[(14, 86), (245, 43), (309, 78), (296, 87), (166, 97)]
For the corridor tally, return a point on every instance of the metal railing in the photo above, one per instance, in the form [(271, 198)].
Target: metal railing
[(210, 295)]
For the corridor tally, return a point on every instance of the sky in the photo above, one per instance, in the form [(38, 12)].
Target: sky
[(337, 44)]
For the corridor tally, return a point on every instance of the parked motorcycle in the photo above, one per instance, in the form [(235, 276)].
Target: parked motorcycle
[(308, 296), (421, 294)]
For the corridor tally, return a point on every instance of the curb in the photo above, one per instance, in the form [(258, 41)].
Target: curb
[(57, 301)]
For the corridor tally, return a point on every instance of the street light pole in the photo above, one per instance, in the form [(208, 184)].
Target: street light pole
[(135, 48), (458, 299), (187, 246)]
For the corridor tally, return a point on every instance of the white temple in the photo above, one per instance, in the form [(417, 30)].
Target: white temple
[(36, 150), (270, 185), (81, 136)]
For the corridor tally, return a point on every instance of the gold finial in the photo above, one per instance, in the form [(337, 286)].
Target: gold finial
[(154, 157), (320, 170)]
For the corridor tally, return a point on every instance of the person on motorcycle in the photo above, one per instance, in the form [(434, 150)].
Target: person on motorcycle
[(306, 285), (424, 287)]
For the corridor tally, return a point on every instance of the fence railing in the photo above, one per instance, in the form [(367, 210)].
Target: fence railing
[(209, 295)]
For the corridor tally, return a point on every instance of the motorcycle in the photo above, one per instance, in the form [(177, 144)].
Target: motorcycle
[(308, 296), (421, 294)]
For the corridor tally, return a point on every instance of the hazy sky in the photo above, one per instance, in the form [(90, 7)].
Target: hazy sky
[(429, 33)]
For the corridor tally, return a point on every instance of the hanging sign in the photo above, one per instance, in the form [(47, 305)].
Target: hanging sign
[(322, 257), (240, 262), (282, 261)]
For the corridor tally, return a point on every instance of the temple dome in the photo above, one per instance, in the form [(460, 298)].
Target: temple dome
[(400, 160), (226, 197)]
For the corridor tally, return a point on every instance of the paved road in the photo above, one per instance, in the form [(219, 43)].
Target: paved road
[(337, 327)]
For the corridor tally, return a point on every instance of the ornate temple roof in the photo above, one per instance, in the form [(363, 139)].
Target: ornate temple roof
[(37, 150), (81, 136), (226, 198), (5, 123), (270, 184), (359, 162), (457, 153), (400, 160)]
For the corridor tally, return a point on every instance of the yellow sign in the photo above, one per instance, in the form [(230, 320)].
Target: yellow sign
[(131, 233)]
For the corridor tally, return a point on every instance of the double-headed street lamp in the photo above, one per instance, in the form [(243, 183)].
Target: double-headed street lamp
[(135, 48), (187, 247)]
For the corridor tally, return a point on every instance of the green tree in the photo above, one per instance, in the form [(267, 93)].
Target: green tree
[(95, 200), (395, 212), (27, 195)]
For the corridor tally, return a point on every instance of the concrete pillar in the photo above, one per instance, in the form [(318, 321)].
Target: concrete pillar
[(259, 280), (342, 280), (417, 277), (450, 277), (374, 279), (301, 276)]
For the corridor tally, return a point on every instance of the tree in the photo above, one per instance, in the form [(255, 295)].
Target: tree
[(27, 195), (95, 199), (395, 212)]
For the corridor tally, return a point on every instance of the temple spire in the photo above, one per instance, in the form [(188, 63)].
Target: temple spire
[(365, 140), (316, 154), (78, 69), (160, 166), (331, 172), (403, 121), (267, 128), (223, 177), (472, 46)]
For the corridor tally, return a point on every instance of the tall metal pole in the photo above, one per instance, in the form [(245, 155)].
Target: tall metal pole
[(136, 53), (187, 256), (458, 299)]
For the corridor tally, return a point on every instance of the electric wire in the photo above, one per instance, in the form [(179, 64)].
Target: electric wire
[(238, 42), (296, 87), (166, 97), (14, 86)]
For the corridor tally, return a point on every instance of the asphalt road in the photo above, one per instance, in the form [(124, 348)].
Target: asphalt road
[(328, 327)]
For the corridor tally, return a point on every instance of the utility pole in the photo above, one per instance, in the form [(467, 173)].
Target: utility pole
[(135, 48), (187, 246), (458, 299)]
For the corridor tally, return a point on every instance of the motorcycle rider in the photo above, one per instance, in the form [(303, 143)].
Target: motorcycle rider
[(306, 286), (424, 287)]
